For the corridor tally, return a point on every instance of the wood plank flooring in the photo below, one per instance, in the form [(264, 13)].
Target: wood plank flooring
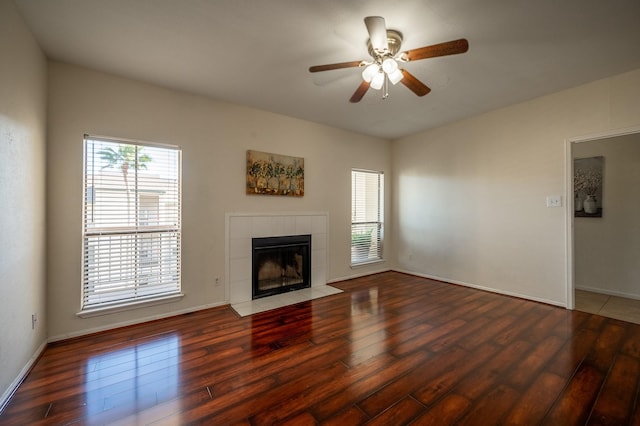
[(392, 349)]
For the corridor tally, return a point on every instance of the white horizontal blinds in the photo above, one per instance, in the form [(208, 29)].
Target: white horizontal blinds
[(132, 224), (366, 216)]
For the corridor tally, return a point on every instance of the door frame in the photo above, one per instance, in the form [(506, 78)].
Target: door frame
[(569, 143)]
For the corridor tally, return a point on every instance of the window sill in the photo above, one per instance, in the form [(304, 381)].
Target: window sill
[(94, 312), (366, 263)]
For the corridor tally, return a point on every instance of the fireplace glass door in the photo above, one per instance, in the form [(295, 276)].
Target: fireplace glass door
[(280, 264)]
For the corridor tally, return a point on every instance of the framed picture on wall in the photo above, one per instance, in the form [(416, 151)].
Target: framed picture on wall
[(274, 174), (587, 186)]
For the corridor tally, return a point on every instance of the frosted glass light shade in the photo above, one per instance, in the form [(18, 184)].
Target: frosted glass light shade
[(370, 72), (395, 76), (389, 65), (378, 80)]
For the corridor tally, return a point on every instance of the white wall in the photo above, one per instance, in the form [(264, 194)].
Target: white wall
[(214, 137), (469, 198), (22, 193), (606, 249)]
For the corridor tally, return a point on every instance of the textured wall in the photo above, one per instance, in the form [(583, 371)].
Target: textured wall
[(22, 193)]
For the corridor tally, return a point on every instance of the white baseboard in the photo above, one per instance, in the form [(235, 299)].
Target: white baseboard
[(489, 289), (334, 280), (363, 274), (133, 322), (6, 396)]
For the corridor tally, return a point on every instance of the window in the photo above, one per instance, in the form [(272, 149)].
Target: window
[(131, 226), (367, 189)]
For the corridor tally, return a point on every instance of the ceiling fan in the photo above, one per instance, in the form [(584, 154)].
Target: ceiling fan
[(384, 48)]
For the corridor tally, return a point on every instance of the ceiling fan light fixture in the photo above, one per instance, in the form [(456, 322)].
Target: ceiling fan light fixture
[(370, 72), (384, 48), (378, 80), (395, 76)]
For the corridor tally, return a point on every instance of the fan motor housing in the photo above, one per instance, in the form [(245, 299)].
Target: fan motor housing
[(394, 42)]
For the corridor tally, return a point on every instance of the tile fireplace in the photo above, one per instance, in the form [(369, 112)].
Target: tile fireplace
[(243, 228)]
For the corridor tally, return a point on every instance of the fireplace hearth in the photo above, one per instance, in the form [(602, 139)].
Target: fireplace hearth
[(280, 264)]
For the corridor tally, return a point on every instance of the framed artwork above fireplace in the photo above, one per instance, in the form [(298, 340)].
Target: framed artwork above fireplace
[(274, 174)]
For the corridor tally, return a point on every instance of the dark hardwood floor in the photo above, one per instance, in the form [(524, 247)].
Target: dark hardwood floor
[(392, 349)]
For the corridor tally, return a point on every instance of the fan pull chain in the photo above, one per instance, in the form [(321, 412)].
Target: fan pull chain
[(385, 87)]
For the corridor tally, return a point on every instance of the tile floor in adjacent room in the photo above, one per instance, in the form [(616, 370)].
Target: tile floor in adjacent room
[(284, 299), (608, 306)]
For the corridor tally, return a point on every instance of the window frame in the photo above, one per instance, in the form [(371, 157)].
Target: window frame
[(164, 236), (375, 251)]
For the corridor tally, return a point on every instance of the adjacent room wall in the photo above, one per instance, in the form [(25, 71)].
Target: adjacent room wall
[(214, 137), (22, 193), (469, 198), (606, 249)]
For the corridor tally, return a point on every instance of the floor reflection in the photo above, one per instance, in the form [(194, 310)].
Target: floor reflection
[(367, 338), (365, 302), (134, 378)]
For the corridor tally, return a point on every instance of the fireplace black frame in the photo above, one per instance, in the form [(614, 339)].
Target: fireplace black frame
[(261, 245)]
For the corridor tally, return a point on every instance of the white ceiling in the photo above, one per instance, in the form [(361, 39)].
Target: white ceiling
[(257, 53)]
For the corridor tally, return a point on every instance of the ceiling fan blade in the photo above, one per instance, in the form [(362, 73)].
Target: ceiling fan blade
[(415, 85), (360, 91), (442, 49), (377, 32), (328, 67)]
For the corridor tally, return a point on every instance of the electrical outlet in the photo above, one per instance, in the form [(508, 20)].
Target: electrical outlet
[(34, 319), (217, 281)]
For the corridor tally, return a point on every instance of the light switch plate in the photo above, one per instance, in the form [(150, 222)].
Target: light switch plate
[(554, 201)]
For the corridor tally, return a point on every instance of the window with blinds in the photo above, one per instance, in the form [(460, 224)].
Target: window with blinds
[(367, 189), (131, 223)]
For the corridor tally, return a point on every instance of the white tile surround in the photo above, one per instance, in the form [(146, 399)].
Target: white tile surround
[(242, 227)]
